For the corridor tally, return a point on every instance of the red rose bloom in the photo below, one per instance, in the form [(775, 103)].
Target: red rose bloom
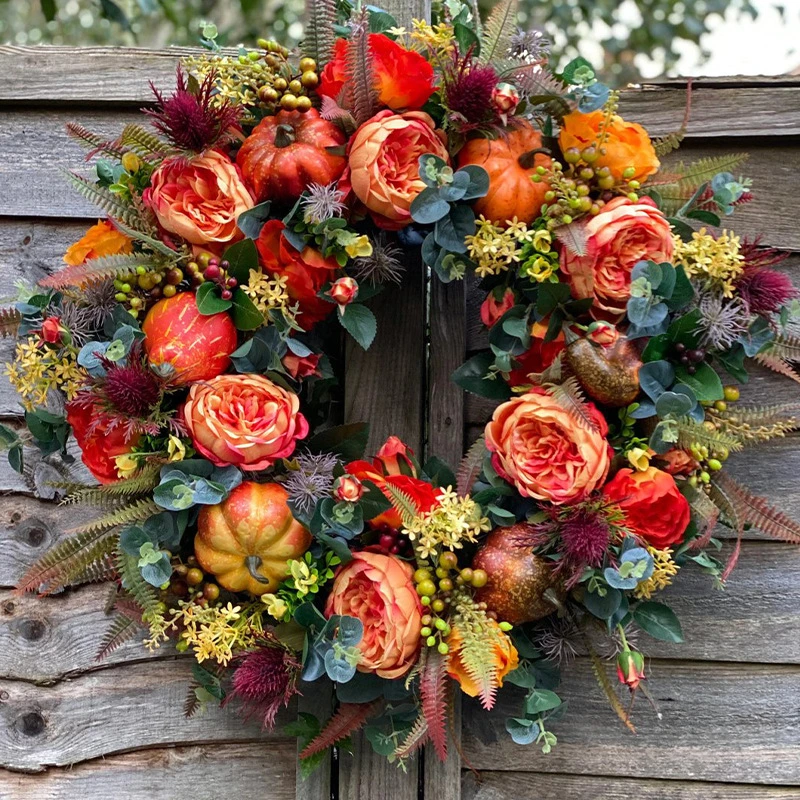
[(537, 358), (99, 445), (308, 271), (654, 508), (403, 78)]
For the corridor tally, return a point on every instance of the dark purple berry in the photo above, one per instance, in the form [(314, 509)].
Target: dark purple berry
[(680, 347), (691, 369)]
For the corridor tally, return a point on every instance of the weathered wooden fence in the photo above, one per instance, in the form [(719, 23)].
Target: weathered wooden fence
[(73, 728)]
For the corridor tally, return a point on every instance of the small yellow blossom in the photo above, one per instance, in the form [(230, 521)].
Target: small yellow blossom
[(36, 370), (304, 577), (354, 245), (176, 449), (543, 240), (126, 464), (276, 607), (439, 39), (495, 249), (267, 291), (639, 458), (714, 262), (664, 570)]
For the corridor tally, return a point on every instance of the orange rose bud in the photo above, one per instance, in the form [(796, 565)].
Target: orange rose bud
[(348, 489), (395, 458), (246, 420), (630, 668), (51, 331), (654, 508), (383, 164), (199, 199), (618, 238), (504, 655), (100, 240), (497, 302), (626, 145), (301, 366), (603, 333), (379, 590), (505, 99), (537, 447), (343, 290)]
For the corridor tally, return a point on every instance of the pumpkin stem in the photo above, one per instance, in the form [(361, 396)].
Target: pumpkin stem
[(253, 563), (284, 136), (528, 160)]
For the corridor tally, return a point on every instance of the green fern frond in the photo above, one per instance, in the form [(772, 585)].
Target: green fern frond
[(601, 676), (403, 504), (145, 238), (121, 630), (498, 29), (10, 320), (141, 592), (96, 270), (664, 145), (759, 423), (105, 200), (320, 36), (98, 571), (688, 179), (134, 511), (539, 87), (70, 558), (94, 141), (785, 346), (691, 432), (191, 705), (144, 143), (415, 739), (141, 483), (570, 397)]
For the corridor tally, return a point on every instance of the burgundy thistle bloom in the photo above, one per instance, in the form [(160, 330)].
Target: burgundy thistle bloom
[(265, 679), (764, 290), (191, 120), (468, 93)]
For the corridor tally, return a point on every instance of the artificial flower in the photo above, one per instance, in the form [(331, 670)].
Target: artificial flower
[(505, 659), (538, 357), (300, 367), (348, 489), (343, 290), (100, 240), (497, 302)]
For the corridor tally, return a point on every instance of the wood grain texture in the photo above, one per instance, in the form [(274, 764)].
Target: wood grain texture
[(131, 707), (543, 786), (194, 772), (734, 723)]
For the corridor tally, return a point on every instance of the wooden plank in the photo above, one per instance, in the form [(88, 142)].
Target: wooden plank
[(316, 699), (115, 710), (732, 723), (196, 772), (517, 785)]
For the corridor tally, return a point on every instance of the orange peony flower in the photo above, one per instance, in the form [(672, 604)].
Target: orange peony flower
[(538, 447), (245, 420), (403, 78), (653, 505), (505, 656), (383, 164), (627, 145), (307, 272), (538, 357), (379, 590), (100, 240), (99, 445), (199, 199), (618, 238)]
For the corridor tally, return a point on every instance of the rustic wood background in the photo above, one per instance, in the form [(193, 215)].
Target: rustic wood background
[(73, 728)]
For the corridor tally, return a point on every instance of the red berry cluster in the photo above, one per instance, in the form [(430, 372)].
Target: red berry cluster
[(392, 542), (212, 269)]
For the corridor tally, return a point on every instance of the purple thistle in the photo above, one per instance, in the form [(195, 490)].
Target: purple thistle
[(766, 291), (468, 92), (584, 538), (265, 679), (192, 121)]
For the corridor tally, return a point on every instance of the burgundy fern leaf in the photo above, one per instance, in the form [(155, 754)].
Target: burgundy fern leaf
[(349, 718), (434, 692), (121, 630), (416, 738), (360, 74), (471, 465)]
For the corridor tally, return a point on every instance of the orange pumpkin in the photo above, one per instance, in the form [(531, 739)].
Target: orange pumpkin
[(197, 346), (510, 161), (247, 540), (287, 152)]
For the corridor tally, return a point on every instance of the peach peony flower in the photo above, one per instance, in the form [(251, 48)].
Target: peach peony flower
[(653, 505), (505, 655), (626, 147), (383, 169), (620, 236), (199, 199), (403, 78), (100, 240), (245, 420), (540, 448), (379, 590)]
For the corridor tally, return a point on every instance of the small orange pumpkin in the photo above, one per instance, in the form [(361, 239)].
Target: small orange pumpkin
[(511, 161), (247, 540), (287, 152)]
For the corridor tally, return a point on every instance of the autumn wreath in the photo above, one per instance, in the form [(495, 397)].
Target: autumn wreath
[(183, 348)]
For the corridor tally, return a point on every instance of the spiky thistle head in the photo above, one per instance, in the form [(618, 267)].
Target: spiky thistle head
[(468, 87), (384, 265), (766, 291), (193, 120), (311, 481), (721, 321), (530, 46), (265, 678), (322, 202), (84, 314), (585, 536)]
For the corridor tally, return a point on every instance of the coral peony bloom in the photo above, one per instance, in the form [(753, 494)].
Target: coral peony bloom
[(493, 307), (538, 357), (653, 505), (627, 145), (199, 199), (245, 420), (383, 164), (403, 78), (504, 655), (307, 272), (379, 590), (99, 445), (618, 238), (100, 240), (539, 447)]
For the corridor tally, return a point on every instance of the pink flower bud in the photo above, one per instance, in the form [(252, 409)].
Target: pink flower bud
[(630, 668), (348, 489), (505, 99), (343, 291)]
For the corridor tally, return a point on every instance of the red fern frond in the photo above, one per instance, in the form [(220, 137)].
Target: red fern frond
[(470, 467), (416, 738), (122, 629), (433, 689), (349, 718)]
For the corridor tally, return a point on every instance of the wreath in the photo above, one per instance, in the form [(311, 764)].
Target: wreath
[(190, 348)]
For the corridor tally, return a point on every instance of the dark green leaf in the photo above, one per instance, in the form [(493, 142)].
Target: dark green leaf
[(242, 257), (705, 383), (251, 221), (360, 323), (246, 316), (658, 620), (346, 441), (208, 300), (471, 375)]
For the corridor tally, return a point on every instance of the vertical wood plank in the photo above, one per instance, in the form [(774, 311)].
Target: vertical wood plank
[(317, 699)]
